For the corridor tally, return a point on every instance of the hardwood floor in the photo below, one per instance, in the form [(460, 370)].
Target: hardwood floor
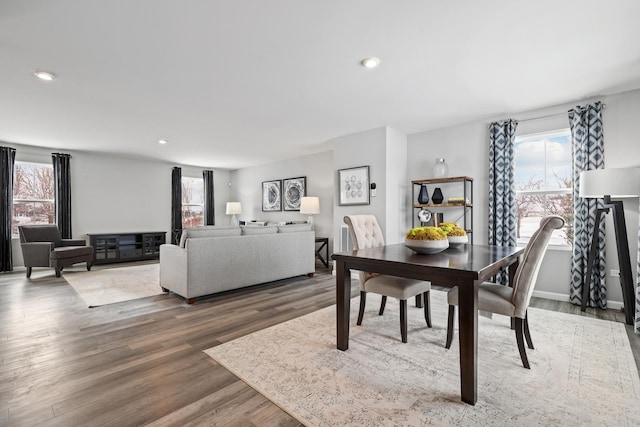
[(141, 362)]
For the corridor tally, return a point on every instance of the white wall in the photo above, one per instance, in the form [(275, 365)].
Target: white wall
[(120, 194), (366, 148), (397, 185), (466, 147), (246, 188)]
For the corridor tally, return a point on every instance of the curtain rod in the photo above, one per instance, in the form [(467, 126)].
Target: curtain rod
[(543, 117)]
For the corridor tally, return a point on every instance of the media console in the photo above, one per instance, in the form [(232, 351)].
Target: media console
[(120, 247)]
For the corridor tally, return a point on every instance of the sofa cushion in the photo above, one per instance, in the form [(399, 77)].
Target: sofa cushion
[(208, 231), (293, 228), (249, 230)]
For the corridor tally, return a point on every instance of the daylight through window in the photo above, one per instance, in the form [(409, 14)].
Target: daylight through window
[(543, 168), (33, 195), (192, 202)]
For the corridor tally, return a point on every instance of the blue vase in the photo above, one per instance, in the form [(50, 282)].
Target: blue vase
[(437, 196), (423, 196)]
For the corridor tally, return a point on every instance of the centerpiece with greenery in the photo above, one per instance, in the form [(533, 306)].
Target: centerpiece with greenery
[(426, 240), (456, 235)]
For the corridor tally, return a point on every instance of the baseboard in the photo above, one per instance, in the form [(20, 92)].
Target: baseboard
[(615, 305)]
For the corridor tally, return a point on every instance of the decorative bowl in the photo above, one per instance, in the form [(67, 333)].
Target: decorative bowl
[(457, 241), (426, 247)]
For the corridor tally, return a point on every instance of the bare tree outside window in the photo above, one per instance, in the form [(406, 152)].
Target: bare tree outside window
[(192, 202), (33, 195), (543, 168)]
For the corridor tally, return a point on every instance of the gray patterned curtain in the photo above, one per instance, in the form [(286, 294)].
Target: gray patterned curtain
[(209, 202), (588, 154), (7, 160), (502, 193), (176, 205), (62, 184)]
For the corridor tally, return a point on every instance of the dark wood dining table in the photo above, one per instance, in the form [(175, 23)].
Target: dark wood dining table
[(464, 267)]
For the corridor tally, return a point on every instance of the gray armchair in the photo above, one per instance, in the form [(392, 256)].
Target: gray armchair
[(42, 246), (513, 301)]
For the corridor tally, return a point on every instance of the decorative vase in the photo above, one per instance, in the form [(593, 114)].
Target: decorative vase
[(440, 169), (437, 196), (423, 196)]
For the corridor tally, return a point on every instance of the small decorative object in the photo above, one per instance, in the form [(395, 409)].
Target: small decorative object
[(271, 196), (354, 186), (437, 196), (458, 200), (293, 189), (423, 196), (426, 240), (440, 168), (456, 235), (424, 215)]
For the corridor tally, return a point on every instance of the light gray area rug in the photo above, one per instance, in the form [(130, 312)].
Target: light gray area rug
[(108, 286), (582, 371)]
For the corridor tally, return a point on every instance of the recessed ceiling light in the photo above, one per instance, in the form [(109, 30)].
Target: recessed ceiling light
[(162, 141), (44, 75), (370, 62)]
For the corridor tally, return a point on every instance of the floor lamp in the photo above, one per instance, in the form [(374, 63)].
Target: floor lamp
[(606, 184)]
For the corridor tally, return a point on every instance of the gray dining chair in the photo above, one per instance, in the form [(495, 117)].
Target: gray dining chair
[(366, 233), (513, 300)]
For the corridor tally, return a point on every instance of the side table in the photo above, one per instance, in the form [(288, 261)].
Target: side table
[(324, 244)]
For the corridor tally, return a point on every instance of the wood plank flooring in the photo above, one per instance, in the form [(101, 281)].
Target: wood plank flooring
[(141, 362)]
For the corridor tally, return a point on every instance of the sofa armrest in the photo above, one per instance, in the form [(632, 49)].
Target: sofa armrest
[(173, 269), (74, 242), (36, 254)]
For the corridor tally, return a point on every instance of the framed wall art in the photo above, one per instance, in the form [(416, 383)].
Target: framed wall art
[(271, 196), (354, 186), (293, 189)]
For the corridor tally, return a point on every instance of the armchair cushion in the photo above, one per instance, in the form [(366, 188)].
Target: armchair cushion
[(70, 252)]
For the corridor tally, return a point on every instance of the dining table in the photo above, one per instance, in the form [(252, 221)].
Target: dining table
[(465, 267)]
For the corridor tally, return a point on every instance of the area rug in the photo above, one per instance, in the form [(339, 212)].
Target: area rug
[(582, 371), (108, 286)]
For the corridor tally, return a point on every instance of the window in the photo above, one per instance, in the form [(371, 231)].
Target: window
[(543, 181), (33, 195), (192, 202)]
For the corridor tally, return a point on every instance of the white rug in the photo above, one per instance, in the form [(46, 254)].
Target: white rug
[(108, 286), (582, 371)]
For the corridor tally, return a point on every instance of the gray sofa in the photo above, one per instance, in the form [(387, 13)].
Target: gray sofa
[(209, 260)]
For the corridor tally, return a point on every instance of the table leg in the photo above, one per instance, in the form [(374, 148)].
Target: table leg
[(343, 303), (468, 324)]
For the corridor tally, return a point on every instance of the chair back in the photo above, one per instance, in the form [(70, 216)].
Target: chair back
[(527, 272), (40, 233), (365, 233)]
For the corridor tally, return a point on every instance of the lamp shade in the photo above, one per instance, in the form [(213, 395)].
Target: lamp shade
[(617, 183), (234, 208), (310, 206)]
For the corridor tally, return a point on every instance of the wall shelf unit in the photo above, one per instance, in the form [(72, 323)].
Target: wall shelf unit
[(120, 247), (457, 186)]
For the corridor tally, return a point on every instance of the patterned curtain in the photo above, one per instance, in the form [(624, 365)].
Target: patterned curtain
[(176, 205), (62, 185), (588, 154), (7, 160), (502, 194), (209, 205)]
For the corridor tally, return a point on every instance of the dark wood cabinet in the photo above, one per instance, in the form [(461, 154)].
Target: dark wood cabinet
[(120, 247)]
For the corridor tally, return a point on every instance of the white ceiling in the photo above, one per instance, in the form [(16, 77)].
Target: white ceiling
[(237, 83)]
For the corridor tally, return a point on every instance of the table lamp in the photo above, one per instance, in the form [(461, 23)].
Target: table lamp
[(310, 206), (233, 209), (607, 184)]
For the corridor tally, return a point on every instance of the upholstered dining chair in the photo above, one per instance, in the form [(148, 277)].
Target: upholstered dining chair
[(42, 246), (513, 300), (366, 233)]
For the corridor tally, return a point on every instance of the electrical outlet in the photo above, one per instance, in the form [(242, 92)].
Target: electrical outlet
[(614, 273)]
